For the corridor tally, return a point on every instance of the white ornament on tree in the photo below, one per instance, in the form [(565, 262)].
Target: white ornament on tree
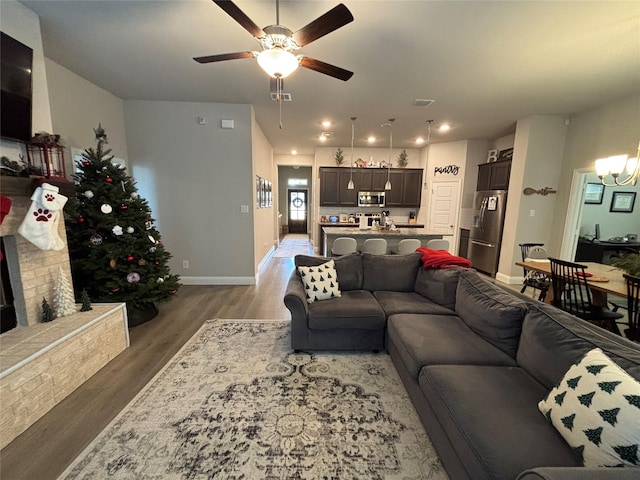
[(88, 194), (106, 208), (130, 229), (117, 230), (63, 301)]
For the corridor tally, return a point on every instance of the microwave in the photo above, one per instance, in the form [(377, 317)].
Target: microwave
[(371, 199)]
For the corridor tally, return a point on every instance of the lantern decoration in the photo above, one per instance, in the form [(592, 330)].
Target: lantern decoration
[(45, 156)]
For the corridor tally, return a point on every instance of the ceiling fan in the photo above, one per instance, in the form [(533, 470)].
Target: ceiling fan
[(279, 43)]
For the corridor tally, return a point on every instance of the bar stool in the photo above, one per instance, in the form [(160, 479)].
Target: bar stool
[(375, 246), (438, 244), (407, 245), (344, 246)]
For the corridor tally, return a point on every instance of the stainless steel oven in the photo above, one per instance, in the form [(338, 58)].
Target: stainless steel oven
[(371, 199)]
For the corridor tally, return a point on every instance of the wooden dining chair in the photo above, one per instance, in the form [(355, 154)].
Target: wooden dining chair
[(536, 280), (572, 294), (633, 307)]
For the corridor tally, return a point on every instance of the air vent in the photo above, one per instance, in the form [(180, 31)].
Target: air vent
[(422, 102), (285, 97)]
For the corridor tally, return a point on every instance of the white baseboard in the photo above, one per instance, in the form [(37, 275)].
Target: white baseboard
[(217, 280), (516, 280)]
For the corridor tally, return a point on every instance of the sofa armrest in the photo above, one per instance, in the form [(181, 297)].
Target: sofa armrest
[(578, 473), (295, 299)]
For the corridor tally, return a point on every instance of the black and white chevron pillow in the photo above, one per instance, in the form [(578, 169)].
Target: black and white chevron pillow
[(321, 282), (596, 409)]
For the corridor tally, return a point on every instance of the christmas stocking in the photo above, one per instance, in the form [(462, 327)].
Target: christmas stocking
[(5, 207), (40, 226)]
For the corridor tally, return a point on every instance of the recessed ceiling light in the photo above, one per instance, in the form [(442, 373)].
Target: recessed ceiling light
[(322, 138), (294, 152), (444, 127), (326, 123), (419, 140), (371, 139)]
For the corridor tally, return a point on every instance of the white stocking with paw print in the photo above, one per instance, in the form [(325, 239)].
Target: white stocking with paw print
[(40, 225)]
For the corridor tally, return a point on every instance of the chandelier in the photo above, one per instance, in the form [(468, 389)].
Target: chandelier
[(615, 166)]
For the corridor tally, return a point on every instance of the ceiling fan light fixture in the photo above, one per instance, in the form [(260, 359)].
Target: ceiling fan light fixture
[(278, 63)]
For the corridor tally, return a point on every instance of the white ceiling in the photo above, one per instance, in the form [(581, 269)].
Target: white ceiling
[(485, 63)]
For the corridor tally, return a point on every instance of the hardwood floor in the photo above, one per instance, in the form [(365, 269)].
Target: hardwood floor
[(51, 444)]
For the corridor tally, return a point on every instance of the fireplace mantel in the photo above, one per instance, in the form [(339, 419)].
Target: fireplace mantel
[(24, 186)]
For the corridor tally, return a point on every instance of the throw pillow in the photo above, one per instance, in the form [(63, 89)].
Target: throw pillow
[(596, 409), (320, 282)]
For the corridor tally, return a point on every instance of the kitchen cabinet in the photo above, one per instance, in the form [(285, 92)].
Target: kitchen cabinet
[(371, 180), (494, 176), (406, 186), (412, 188)]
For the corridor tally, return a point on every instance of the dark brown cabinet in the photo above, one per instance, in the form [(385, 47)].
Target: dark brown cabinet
[(494, 176), (406, 186)]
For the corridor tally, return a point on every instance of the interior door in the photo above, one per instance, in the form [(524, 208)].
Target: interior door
[(297, 207), (444, 209)]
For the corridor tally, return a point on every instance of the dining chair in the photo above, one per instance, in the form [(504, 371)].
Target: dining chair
[(536, 280), (407, 245), (572, 294), (438, 244), (375, 246), (633, 307), (344, 246)]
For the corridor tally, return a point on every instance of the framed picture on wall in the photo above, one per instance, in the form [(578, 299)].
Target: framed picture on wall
[(593, 193), (623, 202)]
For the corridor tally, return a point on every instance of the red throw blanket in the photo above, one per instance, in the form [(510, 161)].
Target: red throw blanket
[(441, 259)]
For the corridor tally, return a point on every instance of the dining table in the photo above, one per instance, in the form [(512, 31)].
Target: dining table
[(604, 279)]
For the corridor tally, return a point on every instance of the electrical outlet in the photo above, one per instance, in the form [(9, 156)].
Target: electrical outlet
[(532, 213), (185, 264)]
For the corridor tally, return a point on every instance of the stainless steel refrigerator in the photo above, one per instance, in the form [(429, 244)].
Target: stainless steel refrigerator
[(489, 208)]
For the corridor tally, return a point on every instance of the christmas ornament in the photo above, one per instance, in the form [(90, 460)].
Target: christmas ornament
[(142, 262), (112, 263), (153, 240), (133, 277), (160, 280), (117, 230), (130, 229), (80, 220), (130, 258), (85, 163), (123, 207), (134, 195), (106, 208), (108, 180), (147, 225), (152, 249), (96, 239), (88, 194), (40, 225), (114, 290)]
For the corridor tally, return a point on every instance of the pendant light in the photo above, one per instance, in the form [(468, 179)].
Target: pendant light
[(387, 186), (615, 166), (350, 185)]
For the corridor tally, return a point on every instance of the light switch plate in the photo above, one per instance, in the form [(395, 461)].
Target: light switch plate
[(244, 208)]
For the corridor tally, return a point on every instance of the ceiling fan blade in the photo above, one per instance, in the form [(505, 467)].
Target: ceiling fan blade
[(335, 18), (326, 68), (224, 56), (239, 16)]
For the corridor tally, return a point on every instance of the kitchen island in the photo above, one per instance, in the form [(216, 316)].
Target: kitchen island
[(392, 237)]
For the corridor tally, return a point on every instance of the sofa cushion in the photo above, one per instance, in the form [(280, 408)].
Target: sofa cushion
[(596, 409), (490, 416), (320, 283), (438, 285), (490, 311), (355, 309), (348, 268), (553, 340), (440, 339), (408, 302), (390, 272)]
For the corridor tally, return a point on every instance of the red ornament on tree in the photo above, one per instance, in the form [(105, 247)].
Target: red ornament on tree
[(130, 258), (123, 207), (109, 180), (85, 163), (80, 219)]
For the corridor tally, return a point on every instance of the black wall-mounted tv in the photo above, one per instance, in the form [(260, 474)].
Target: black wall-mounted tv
[(16, 89)]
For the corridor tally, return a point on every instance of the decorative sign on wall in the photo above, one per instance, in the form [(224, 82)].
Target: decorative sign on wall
[(447, 170)]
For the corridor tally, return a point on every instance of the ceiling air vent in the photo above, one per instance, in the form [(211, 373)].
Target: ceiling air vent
[(422, 102), (285, 97)]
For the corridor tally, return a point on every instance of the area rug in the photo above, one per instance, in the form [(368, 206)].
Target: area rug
[(292, 245), (236, 403)]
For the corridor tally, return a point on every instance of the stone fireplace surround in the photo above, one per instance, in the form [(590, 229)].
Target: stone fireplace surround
[(42, 363)]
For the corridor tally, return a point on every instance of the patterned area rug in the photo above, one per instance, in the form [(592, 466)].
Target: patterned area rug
[(292, 245), (235, 403)]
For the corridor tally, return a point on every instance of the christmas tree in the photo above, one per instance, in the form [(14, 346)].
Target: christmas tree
[(47, 312), (116, 253), (63, 301)]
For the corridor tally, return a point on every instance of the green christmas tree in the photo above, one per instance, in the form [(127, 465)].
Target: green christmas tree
[(47, 312), (116, 253)]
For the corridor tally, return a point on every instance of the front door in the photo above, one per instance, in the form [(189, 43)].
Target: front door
[(297, 218)]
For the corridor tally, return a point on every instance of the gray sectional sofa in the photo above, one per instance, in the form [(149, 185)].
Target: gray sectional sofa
[(475, 359)]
